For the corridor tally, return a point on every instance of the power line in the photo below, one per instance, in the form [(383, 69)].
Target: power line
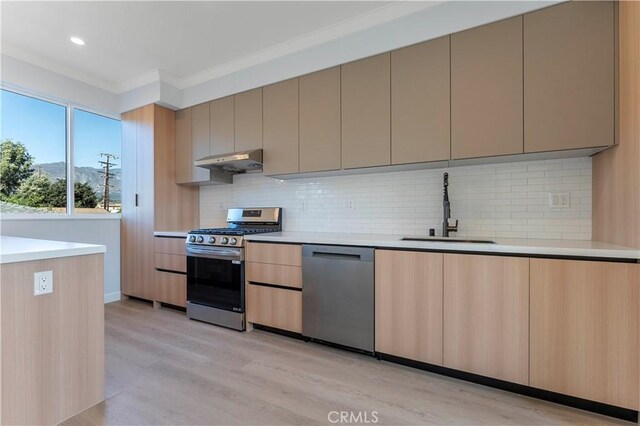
[(106, 166)]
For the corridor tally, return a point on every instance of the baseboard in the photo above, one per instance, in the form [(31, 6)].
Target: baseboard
[(111, 297), (582, 404)]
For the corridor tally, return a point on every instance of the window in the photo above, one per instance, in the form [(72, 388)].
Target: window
[(36, 160), (96, 141), (33, 166)]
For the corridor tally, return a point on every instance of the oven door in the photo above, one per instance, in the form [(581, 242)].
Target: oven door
[(215, 277)]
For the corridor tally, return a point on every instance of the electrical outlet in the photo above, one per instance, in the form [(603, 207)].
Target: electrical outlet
[(559, 200), (42, 283), (348, 205)]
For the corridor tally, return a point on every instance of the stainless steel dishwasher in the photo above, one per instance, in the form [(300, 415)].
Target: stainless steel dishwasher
[(338, 295)]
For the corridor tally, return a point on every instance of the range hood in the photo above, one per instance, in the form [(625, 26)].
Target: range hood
[(233, 163)]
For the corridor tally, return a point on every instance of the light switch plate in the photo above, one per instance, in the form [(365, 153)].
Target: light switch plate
[(42, 283)]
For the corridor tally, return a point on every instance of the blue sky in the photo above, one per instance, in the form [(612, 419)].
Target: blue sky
[(41, 126)]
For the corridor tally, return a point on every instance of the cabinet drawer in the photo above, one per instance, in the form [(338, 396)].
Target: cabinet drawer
[(170, 288), (279, 254), (169, 245), (266, 273), (275, 307), (171, 262)]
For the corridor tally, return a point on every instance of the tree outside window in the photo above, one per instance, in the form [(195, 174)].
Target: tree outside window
[(33, 158)]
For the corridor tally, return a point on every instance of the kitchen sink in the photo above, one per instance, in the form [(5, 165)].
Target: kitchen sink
[(447, 240)]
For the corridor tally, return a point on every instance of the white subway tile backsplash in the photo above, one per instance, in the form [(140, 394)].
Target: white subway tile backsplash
[(496, 200)]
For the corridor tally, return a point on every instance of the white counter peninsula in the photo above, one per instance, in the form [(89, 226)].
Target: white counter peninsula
[(51, 331)]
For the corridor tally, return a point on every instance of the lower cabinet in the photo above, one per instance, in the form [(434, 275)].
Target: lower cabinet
[(486, 316), (273, 285), (408, 309), (170, 288), (585, 329), (169, 280), (274, 307)]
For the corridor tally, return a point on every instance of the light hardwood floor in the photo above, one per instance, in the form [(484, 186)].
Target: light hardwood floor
[(165, 369)]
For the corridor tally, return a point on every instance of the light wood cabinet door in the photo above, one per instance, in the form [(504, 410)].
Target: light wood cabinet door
[(569, 74), (280, 127), (275, 307), (248, 120), (320, 121), (175, 206), (267, 273), (199, 140), (486, 90), (171, 262), (128, 221), (221, 126), (584, 330), (366, 112), (184, 163), (170, 288), (277, 254), (486, 316), (420, 102), (145, 188), (408, 302)]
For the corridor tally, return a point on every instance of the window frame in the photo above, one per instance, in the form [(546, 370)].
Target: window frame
[(70, 108)]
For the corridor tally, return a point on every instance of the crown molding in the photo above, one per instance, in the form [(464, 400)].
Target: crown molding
[(51, 65), (375, 17), (358, 23)]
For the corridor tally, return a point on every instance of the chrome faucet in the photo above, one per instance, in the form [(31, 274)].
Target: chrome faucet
[(446, 227)]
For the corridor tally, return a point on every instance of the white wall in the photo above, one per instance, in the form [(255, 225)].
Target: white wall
[(18, 74), (90, 231), (497, 200)]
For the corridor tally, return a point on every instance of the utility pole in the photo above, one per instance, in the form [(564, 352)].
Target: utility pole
[(106, 166)]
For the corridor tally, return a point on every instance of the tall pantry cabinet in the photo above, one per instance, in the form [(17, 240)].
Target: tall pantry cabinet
[(151, 199)]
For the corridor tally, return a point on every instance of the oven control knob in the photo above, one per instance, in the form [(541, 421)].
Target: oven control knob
[(224, 240), (233, 241), (200, 239), (192, 239), (212, 240)]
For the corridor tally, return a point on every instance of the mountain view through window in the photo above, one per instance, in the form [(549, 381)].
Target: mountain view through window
[(33, 158)]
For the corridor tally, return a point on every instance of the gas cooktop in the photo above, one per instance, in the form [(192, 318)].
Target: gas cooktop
[(242, 221)]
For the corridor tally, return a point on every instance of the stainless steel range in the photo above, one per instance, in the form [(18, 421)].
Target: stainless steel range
[(215, 265)]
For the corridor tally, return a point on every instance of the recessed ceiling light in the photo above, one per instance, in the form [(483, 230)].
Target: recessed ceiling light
[(77, 40)]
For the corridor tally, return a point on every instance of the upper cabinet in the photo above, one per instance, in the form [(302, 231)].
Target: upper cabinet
[(420, 108), (199, 140), (366, 112), (280, 127), (184, 165), (319, 96), (534, 83), (248, 120), (486, 90), (221, 126), (569, 74)]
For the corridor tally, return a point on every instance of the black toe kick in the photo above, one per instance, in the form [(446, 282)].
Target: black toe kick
[(583, 404)]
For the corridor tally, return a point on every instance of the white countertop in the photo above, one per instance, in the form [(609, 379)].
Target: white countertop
[(181, 234), (15, 249), (561, 248)]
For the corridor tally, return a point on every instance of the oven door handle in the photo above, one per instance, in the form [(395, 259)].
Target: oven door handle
[(215, 254)]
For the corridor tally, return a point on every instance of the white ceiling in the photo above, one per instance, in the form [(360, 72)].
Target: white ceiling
[(130, 43)]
